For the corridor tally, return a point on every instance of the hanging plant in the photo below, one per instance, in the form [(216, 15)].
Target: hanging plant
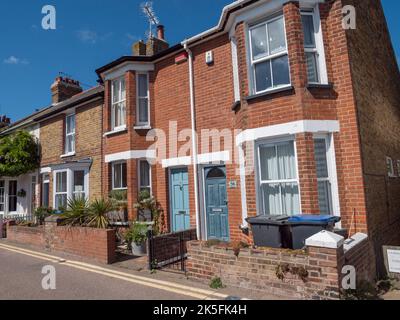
[(19, 154)]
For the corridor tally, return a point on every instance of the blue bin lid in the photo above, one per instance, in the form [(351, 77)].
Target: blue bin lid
[(314, 218)]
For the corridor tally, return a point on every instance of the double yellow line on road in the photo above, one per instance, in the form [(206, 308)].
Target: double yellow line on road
[(168, 286)]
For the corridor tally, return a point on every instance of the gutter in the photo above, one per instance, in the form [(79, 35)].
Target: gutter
[(194, 139)]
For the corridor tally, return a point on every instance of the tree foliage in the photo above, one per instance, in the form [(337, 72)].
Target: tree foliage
[(19, 154)]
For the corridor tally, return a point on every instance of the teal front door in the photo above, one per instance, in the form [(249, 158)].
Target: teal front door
[(179, 186), (216, 203)]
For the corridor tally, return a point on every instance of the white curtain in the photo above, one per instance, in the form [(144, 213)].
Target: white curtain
[(278, 162)]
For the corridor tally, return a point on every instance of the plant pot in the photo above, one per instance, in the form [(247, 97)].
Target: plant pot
[(139, 250)]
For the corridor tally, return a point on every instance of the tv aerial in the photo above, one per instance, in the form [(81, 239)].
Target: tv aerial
[(147, 8)]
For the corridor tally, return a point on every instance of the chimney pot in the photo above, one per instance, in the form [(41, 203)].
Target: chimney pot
[(161, 32)]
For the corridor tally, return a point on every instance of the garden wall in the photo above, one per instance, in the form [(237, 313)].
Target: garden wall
[(314, 273), (98, 244)]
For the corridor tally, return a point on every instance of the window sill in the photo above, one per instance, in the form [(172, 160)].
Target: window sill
[(144, 127), (269, 93), (319, 86), (67, 155), (116, 131)]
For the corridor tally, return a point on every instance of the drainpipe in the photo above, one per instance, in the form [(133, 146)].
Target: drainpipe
[(194, 138)]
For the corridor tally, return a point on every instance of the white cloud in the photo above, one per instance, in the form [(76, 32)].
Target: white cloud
[(87, 36), (92, 37), (14, 60)]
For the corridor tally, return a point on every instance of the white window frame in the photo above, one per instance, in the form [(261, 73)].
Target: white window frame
[(139, 98), (70, 182), (70, 134), (55, 193), (332, 172), (259, 182), (398, 168), (253, 62), (389, 162), (115, 104), (112, 175), (45, 181), (140, 186), (319, 44)]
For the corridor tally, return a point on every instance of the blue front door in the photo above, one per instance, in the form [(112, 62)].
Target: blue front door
[(216, 204), (179, 184)]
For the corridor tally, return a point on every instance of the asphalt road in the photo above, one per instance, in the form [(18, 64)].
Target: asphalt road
[(21, 279)]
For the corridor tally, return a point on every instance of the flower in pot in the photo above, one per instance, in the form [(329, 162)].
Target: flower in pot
[(136, 238)]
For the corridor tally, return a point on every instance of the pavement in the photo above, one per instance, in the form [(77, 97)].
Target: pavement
[(76, 278)]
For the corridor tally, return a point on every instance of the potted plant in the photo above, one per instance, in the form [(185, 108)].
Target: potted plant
[(136, 238)]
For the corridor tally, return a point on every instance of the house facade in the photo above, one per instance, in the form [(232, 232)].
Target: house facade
[(279, 109)]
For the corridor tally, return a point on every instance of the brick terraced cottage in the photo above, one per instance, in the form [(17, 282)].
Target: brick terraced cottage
[(278, 109)]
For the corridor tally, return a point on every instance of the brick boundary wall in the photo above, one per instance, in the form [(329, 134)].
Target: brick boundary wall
[(97, 244), (256, 269)]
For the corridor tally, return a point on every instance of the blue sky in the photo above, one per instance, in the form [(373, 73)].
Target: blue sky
[(89, 34)]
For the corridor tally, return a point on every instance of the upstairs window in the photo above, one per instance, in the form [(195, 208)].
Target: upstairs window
[(118, 104), (313, 47), (269, 55), (143, 105), (70, 134)]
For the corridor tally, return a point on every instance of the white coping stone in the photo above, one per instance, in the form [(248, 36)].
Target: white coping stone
[(354, 241), (325, 239)]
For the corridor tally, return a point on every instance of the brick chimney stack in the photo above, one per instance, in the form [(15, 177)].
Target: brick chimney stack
[(153, 46), (64, 88), (4, 122)]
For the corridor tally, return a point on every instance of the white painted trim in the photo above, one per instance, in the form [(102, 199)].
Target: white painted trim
[(128, 66), (132, 154), (71, 154), (291, 128), (205, 158), (235, 67), (45, 170), (116, 131), (243, 191)]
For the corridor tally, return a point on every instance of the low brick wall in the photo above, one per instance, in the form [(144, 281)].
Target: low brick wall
[(258, 269), (32, 236), (90, 243)]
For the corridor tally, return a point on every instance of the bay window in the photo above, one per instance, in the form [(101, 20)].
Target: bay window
[(313, 46), (69, 184), (278, 179), (70, 134), (144, 176), (269, 55), (143, 105), (119, 176), (118, 104)]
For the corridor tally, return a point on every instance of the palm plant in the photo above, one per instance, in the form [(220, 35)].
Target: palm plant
[(97, 216), (76, 213)]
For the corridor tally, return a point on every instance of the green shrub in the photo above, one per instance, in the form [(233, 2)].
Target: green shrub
[(42, 213), (76, 213), (97, 216), (216, 283), (137, 233), (19, 154)]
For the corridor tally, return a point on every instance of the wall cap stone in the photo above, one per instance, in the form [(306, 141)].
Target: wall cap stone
[(354, 241), (325, 239)]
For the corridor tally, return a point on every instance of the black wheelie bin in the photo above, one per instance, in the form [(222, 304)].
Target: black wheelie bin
[(270, 231)]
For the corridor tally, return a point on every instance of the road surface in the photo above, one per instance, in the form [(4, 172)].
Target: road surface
[(21, 279)]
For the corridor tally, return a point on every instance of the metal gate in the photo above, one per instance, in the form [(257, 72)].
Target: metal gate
[(169, 251)]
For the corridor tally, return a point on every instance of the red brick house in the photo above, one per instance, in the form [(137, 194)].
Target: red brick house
[(278, 109), (312, 108)]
